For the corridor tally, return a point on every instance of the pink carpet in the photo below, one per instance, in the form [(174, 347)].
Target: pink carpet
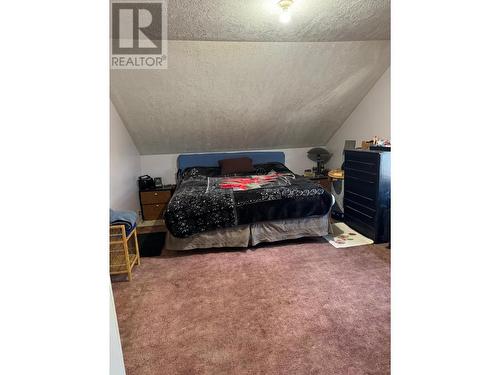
[(299, 307)]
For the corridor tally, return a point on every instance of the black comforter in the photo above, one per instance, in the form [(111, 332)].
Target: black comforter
[(205, 200)]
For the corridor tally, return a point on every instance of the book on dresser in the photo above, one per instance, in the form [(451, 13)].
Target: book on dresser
[(367, 192)]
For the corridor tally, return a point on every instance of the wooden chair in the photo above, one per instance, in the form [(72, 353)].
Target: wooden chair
[(123, 251)]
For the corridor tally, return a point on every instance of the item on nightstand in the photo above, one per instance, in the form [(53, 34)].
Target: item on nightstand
[(146, 182), (308, 173), (158, 183), (320, 156)]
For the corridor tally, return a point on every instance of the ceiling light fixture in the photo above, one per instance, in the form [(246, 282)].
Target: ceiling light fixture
[(285, 10)]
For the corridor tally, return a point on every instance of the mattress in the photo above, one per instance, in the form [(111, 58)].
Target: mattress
[(206, 201), (251, 234)]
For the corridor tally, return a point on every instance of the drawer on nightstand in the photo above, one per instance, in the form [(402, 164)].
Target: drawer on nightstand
[(153, 211), (149, 197)]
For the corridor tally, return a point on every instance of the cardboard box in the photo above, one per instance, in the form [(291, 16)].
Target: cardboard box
[(365, 145)]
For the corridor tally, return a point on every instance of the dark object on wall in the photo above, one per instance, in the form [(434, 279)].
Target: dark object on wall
[(320, 156), (146, 182), (151, 244), (367, 192)]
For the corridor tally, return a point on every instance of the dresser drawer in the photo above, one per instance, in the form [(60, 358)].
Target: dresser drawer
[(361, 208), (363, 166), (362, 156), (150, 197), (361, 215), (361, 174), (360, 199), (153, 211), (358, 186)]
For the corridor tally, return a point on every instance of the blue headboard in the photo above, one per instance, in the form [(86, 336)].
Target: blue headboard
[(211, 160)]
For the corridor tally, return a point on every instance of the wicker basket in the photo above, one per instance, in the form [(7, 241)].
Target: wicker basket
[(123, 251)]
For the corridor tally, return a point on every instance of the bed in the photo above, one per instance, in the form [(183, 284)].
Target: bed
[(270, 203)]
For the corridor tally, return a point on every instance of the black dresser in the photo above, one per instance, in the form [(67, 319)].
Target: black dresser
[(367, 193)]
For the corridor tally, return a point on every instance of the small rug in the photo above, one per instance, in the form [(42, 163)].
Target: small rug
[(342, 236)]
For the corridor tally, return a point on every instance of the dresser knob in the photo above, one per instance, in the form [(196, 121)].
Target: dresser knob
[(156, 193)]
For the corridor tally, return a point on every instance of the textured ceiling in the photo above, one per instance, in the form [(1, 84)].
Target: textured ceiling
[(256, 20), (218, 96)]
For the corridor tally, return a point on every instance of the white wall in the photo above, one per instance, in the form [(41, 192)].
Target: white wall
[(372, 117), (125, 166), (165, 165), (116, 364)]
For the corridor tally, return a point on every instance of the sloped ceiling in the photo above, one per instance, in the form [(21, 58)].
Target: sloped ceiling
[(239, 79)]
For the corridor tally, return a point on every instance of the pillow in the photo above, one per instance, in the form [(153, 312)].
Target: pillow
[(237, 165)]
